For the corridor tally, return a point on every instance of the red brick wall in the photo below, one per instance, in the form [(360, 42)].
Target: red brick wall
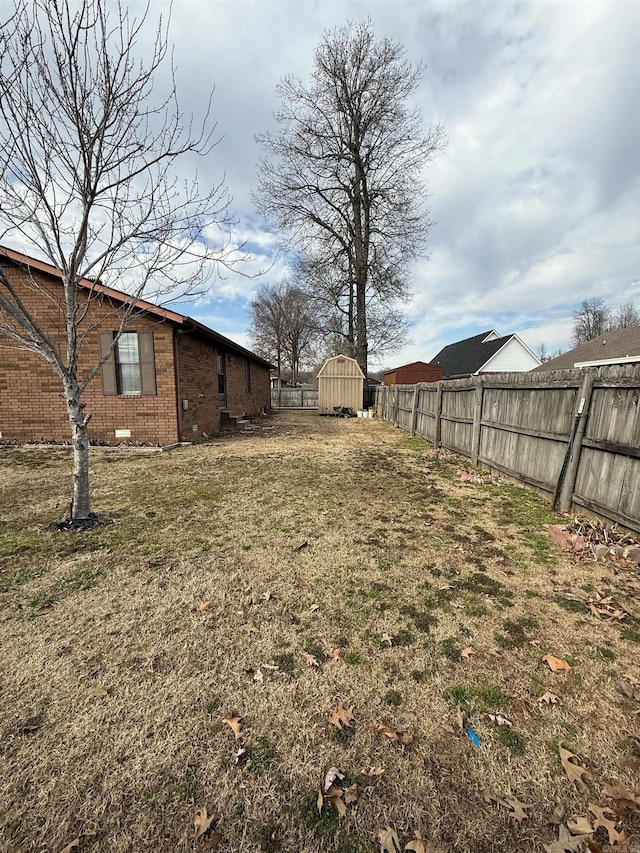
[(198, 385), (239, 401), (31, 404)]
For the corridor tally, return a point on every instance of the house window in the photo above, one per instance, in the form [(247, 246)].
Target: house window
[(128, 364), (247, 376), (222, 384), (129, 368)]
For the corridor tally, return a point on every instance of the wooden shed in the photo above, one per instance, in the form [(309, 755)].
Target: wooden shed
[(340, 383), (410, 374)]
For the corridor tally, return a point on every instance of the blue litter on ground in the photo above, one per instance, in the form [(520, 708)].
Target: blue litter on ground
[(473, 737)]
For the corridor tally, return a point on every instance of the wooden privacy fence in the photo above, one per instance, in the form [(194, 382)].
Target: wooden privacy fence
[(573, 433), (294, 398)]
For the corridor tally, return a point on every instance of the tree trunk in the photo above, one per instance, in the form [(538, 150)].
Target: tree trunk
[(80, 507)]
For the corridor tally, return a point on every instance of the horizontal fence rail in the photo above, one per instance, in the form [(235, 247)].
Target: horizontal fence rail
[(572, 433), (294, 398)]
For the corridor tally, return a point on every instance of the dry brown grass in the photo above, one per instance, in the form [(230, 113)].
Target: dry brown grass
[(396, 545)]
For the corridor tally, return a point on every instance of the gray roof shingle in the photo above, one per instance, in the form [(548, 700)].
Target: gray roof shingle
[(619, 343), (466, 357)]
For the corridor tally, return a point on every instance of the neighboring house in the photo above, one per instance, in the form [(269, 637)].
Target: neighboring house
[(486, 353), (621, 346), (410, 374), (170, 379)]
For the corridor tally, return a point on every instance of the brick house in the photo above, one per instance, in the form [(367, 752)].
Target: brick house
[(170, 378)]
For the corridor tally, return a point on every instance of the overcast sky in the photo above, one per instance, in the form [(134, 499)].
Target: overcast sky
[(536, 197)]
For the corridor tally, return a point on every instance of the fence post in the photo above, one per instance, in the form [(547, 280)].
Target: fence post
[(396, 405), (477, 418), (569, 472), (414, 408), (437, 437)]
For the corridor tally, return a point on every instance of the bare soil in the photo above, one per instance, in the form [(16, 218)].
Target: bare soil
[(270, 578)]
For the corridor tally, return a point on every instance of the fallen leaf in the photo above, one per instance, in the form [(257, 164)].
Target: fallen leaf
[(235, 725), (574, 771), (310, 659), (202, 822), (387, 638), (556, 664), (499, 720), (352, 793), (98, 692), (335, 655), (607, 823), (468, 652), (609, 607), (421, 845), (251, 628), (239, 753), (372, 771), (622, 795), (302, 545), (580, 826), (517, 808), (337, 802), (549, 698), (460, 718), (331, 776), (205, 606), (485, 793), (566, 843), (557, 815), (388, 840), (320, 802), (258, 676), (341, 716), (403, 738)]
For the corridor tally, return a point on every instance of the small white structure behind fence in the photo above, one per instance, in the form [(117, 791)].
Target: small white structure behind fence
[(340, 384)]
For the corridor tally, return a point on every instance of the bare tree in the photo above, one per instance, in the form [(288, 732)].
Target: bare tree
[(344, 176), (542, 352), (282, 326), (626, 316), (331, 291), (593, 318), (88, 182)]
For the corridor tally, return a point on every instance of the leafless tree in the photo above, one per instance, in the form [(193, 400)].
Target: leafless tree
[(626, 316), (282, 326), (593, 318), (543, 353), (88, 182), (331, 292), (344, 175)]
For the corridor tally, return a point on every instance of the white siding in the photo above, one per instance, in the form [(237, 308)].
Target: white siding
[(513, 357)]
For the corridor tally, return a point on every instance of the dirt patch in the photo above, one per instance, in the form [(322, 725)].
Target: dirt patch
[(125, 647)]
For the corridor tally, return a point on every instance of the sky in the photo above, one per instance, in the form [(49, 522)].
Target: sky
[(536, 197)]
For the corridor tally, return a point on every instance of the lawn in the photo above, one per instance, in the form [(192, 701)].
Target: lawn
[(190, 653)]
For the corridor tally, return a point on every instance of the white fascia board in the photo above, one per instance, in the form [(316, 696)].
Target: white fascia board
[(602, 362), (492, 336), (516, 335)]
